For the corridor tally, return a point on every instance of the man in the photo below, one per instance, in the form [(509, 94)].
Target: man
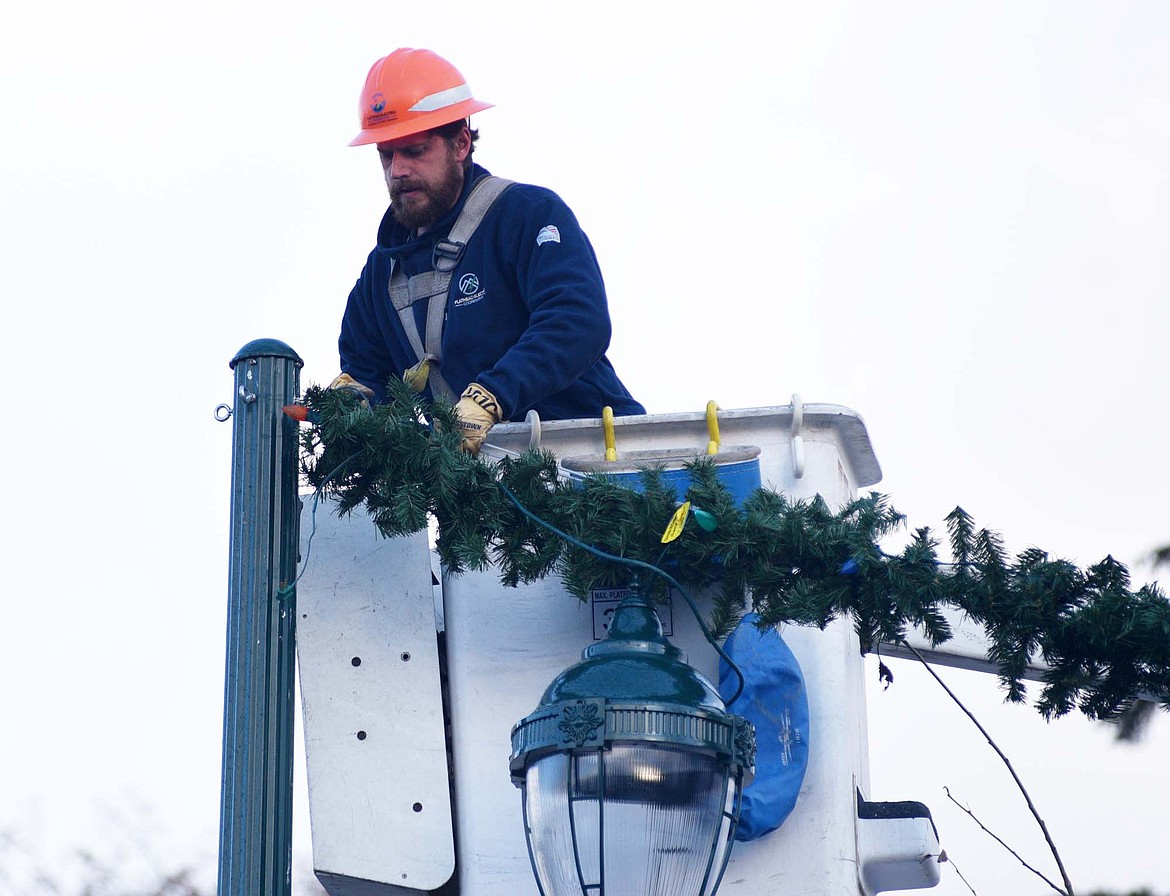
[(478, 288)]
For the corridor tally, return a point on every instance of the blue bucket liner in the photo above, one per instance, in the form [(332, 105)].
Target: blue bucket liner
[(737, 466)]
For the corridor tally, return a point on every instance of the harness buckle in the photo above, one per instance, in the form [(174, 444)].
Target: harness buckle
[(446, 255)]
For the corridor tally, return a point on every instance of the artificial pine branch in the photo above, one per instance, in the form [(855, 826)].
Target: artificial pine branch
[(798, 561)]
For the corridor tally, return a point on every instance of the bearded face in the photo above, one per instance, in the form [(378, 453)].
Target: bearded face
[(424, 175)]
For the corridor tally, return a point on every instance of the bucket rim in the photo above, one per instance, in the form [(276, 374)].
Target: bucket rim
[(667, 459)]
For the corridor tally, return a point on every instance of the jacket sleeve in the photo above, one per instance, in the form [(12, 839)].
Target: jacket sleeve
[(560, 284), (361, 345)]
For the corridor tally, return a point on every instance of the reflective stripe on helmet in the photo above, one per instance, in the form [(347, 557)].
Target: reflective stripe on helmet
[(442, 99)]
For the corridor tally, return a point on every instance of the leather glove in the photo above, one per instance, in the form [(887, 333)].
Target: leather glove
[(347, 382), (478, 412)]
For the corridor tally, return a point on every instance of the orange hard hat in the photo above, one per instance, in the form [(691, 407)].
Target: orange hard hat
[(411, 91)]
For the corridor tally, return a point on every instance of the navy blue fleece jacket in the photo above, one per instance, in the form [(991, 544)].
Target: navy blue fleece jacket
[(535, 329)]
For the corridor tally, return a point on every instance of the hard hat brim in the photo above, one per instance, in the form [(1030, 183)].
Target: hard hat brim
[(417, 122)]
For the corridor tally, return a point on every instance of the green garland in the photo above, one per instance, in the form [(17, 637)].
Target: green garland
[(797, 560)]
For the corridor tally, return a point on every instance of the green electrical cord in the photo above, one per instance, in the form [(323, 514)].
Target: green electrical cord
[(597, 552)]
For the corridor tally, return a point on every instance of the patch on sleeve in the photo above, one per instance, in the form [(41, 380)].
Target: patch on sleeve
[(548, 234)]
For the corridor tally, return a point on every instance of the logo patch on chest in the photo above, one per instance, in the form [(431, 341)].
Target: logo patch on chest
[(548, 234), (471, 293)]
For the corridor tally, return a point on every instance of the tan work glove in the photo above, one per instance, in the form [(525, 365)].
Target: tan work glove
[(478, 412), (345, 381)]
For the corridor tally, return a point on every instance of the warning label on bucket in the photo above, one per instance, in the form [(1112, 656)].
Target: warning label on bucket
[(605, 600)]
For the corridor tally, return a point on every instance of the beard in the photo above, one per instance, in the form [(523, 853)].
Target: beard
[(431, 201)]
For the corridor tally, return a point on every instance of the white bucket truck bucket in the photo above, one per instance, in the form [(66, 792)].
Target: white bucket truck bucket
[(385, 821)]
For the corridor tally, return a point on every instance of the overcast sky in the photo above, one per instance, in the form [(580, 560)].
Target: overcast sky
[(949, 217)]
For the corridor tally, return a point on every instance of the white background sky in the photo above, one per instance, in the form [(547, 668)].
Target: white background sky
[(949, 217)]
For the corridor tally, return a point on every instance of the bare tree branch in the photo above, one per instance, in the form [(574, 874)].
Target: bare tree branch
[(945, 858), (1068, 887), (1000, 841)]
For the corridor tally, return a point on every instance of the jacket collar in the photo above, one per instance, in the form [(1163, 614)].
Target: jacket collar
[(394, 238)]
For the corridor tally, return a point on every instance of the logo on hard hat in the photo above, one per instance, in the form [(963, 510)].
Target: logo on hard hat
[(377, 102)]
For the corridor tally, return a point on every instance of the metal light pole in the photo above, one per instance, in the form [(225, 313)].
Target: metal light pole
[(255, 827)]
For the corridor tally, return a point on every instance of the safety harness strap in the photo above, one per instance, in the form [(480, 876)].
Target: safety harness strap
[(433, 285)]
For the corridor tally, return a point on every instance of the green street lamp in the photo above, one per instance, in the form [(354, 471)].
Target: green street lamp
[(631, 770)]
